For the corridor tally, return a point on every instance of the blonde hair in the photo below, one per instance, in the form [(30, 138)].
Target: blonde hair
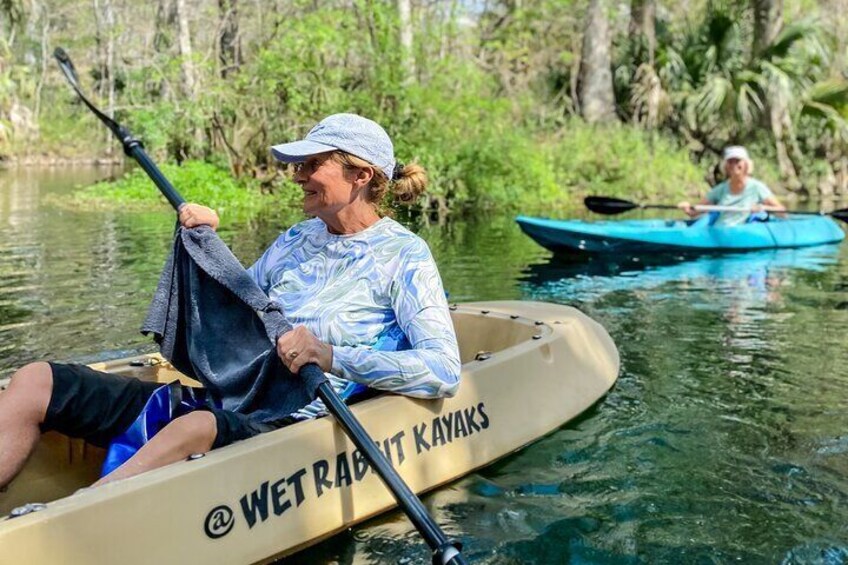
[(409, 183)]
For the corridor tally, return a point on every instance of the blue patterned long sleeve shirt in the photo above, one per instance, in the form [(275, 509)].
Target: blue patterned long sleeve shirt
[(376, 297)]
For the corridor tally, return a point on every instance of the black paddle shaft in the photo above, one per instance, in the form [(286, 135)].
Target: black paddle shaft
[(132, 146), (445, 552), (610, 206)]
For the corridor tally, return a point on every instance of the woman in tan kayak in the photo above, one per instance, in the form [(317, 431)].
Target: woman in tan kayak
[(362, 292)]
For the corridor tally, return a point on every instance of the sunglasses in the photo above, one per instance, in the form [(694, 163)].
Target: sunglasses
[(310, 165)]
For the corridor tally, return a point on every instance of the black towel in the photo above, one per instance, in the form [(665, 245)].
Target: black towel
[(214, 324)]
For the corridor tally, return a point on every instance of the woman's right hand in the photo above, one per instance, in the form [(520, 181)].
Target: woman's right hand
[(193, 215), (688, 209)]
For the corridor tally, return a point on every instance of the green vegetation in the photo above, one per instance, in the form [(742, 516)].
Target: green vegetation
[(629, 163), (530, 104), (196, 181)]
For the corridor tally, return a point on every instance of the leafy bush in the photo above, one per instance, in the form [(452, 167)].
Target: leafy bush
[(197, 182), (625, 161)]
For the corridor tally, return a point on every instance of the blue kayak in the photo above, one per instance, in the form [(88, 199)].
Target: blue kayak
[(647, 236)]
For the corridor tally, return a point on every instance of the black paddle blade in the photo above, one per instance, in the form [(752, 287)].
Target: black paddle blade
[(608, 206), (841, 214), (67, 67), (70, 73)]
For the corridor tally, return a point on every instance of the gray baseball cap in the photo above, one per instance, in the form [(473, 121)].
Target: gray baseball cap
[(350, 133)]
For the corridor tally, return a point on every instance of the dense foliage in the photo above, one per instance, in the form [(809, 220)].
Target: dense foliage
[(487, 96)]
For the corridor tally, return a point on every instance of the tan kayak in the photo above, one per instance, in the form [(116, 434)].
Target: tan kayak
[(528, 367)]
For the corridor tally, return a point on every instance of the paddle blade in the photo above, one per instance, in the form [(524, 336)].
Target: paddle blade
[(67, 67), (841, 214), (607, 205)]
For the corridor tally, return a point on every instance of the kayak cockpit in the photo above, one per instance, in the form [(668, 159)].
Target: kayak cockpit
[(61, 465), (483, 332)]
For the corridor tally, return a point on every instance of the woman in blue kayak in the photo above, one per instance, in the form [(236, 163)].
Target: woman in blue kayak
[(362, 292), (739, 190)]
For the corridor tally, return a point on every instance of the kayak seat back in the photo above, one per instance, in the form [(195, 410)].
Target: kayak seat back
[(755, 217), (489, 334)]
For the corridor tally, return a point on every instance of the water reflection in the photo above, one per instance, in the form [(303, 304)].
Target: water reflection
[(758, 273), (723, 441), (69, 280), (716, 412), (75, 284), (725, 438)]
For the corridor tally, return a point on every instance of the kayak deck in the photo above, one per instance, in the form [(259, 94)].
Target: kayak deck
[(646, 236), (527, 369)]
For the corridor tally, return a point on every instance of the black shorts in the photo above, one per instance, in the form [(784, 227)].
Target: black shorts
[(98, 406)]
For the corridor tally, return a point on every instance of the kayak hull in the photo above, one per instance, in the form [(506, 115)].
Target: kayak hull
[(650, 236), (279, 492)]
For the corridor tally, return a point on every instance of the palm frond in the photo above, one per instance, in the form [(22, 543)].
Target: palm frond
[(777, 80), (720, 28), (789, 36), (672, 68), (819, 110), (832, 93), (749, 105), (751, 78), (713, 97)]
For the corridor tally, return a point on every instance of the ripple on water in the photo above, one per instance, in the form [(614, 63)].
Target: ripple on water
[(817, 553), (724, 439)]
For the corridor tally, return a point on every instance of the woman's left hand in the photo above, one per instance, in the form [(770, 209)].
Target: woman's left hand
[(688, 209), (298, 347)]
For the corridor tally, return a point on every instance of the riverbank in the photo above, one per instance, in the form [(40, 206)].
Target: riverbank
[(52, 160), (508, 171)]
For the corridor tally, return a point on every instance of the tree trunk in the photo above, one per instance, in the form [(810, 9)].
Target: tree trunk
[(597, 103), (166, 17), (408, 58), (789, 157), (109, 17), (840, 169), (98, 42), (184, 42), (13, 13), (163, 40), (45, 57), (839, 30), (229, 42), (104, 20), (643, 32), (768, 19)]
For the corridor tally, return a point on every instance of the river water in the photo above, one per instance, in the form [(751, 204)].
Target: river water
[(725, 439)]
